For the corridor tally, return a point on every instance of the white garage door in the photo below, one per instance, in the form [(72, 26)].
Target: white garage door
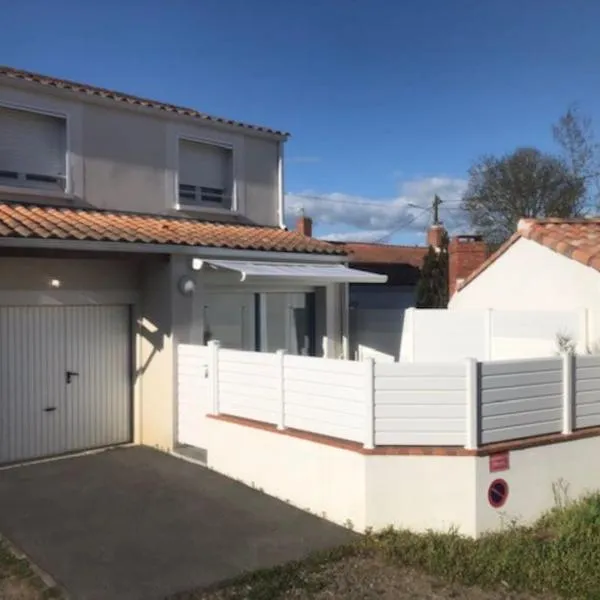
[(65, 379)]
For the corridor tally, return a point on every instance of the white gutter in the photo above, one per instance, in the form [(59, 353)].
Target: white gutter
[(141, 248), (281, 190)]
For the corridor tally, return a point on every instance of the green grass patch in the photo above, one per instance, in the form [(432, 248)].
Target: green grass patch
[(17, 579), (559, 555)]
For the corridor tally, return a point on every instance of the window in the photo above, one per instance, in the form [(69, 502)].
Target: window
[(205, 175), (32, 150)]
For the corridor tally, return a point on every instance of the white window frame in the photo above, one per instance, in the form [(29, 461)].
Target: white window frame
[(23, 189), (234, 183)]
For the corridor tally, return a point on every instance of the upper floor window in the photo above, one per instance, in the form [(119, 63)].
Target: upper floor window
[(205, 175), (32, 150)]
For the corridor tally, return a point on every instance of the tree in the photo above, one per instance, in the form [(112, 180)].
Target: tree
[(526, 183), (432, 287), (574, 135)]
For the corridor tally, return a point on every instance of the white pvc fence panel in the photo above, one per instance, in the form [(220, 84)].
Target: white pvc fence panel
[(520, 399), (379, 404), (248, 385), (420, 404), (325, 396), (193, 394), (453, 335), (587, 391)]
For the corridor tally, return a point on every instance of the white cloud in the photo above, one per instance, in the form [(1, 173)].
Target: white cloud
[(370, 219), (305, 160)]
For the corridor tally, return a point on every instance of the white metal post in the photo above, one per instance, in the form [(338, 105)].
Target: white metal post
[(280, 357), (568, 361), (369, 383), (472, 416), (213, 374)]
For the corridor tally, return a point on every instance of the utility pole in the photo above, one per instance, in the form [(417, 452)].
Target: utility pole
[(436, 209)]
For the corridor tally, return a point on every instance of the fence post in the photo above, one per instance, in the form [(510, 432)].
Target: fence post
[(280, 357), (568, 361), (369, 383), (213, 374), (472, 417)]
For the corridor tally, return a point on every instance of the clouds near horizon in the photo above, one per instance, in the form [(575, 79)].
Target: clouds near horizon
[(341, 216)]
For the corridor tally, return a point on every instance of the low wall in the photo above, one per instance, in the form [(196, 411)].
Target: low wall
[(538, 478), (421, 489)]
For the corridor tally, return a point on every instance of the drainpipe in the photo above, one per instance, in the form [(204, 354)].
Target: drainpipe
[(280, 199)]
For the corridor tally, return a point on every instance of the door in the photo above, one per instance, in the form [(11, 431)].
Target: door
[(64, 379)]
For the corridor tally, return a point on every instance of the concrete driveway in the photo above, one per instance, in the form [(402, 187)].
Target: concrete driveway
[(134, 523)]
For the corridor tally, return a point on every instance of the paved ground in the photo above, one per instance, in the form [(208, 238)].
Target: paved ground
[(137, 524)]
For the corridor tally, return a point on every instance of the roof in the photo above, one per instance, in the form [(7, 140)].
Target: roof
[(123, 98), (385, 254), (32, 221), (578, 239)]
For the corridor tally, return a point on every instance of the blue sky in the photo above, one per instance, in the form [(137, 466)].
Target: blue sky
[(387, 102)]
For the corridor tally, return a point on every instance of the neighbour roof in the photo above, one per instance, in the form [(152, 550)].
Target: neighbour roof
[(90, 90), (66, 223), (385, 254), (578, 239)]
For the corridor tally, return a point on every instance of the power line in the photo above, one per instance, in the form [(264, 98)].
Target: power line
[(403, 225)]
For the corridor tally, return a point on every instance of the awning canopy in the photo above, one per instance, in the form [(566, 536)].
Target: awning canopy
[(319, 274)]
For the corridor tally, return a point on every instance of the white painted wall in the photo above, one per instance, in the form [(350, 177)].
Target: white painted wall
[(421, 492), (535, 476), (529, 276), (327, 481), (414, 492)]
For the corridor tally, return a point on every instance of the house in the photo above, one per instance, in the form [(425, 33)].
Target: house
[(128, 227), (548, 264), (377, 309)]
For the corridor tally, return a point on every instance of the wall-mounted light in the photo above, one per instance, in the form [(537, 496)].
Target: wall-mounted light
[(55, 283), (186, 285)]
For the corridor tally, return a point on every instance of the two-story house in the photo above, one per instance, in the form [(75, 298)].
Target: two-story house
[(128, 227)]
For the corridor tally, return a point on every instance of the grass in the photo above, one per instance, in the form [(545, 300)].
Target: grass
[(559, 556), (17, 579)]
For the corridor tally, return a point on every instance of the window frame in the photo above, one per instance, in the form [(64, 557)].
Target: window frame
[(206, 207), (66, 117)]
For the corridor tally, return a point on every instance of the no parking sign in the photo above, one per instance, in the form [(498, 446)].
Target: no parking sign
[(498, 493)]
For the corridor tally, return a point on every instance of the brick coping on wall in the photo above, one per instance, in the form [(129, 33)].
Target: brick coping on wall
[(541, 440)]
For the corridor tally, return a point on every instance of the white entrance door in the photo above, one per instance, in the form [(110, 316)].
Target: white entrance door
[(64, 379)]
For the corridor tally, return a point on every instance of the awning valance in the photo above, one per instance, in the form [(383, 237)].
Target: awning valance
[(319, 274)]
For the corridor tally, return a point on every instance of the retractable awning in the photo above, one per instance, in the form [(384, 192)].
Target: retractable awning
[(311, 273)]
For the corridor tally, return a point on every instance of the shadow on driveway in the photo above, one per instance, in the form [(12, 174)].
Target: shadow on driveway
[(134, 523)]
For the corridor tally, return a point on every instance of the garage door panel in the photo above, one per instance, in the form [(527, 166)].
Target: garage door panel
[(32, 348), (98, 396), (41, 414)]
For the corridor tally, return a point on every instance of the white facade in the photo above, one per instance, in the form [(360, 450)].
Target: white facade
[(529, 276)]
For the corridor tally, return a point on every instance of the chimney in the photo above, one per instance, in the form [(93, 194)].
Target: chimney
[(434, 235), (304, 225), (466, 253)]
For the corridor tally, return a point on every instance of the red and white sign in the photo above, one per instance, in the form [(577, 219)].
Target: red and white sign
[(499, 462)]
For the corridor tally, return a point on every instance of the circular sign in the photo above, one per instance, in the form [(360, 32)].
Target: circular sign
[(498, 493)]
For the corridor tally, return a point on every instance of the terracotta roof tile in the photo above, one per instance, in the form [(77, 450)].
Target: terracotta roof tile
[(578, 239), (66, 223), (90, 90), (385, 254)]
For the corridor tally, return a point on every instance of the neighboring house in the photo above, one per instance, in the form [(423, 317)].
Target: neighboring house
[(127, 227), (377, 310), (547, 265)]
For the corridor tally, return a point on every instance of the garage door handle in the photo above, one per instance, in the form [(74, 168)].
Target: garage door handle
[(50, 409), (69, 376)]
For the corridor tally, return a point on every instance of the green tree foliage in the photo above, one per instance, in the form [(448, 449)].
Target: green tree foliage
[(432, 288), (526, 183)]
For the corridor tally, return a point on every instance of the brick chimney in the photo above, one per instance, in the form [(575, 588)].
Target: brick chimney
[(466, 253), (435, 234), (304, 225)]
